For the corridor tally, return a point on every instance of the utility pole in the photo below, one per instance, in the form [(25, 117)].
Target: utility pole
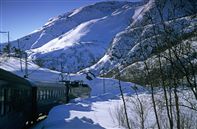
[(62, 70), (103, 81), (26, 66), (8, 43), (20, 55), (8, 38)]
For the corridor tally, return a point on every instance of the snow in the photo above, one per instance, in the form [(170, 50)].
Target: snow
[(61, 24), (67, 36), (140, 11), (67, 39), (92, 113), (104, 111), (93, 36), (104, 59), (38, 74), (137, 13), (35, 72), (76, 11), (126, 46), (87, 38)]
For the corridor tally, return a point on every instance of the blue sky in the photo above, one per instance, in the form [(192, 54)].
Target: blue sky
[(20, 17)]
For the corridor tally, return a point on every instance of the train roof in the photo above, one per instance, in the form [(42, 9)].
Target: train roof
[(6, 76), (12, 78), (46, 84)]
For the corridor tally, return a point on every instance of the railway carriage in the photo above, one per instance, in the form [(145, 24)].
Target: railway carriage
[(15, 101), (47, 95), (23, 101)]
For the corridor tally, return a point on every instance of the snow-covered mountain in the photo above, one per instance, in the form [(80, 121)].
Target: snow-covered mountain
[(78, 39), (146, 34), (106, 34)]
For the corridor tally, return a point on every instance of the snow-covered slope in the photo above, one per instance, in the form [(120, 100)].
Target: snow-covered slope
[(85, 44), (61, 24), (38, 74), (79, 38), (104, 35), (146, 33)]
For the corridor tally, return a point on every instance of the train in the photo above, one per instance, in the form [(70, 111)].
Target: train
[(23, 101)]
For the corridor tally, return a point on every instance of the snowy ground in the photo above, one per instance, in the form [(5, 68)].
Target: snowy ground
[(105, 112), (100, 111), (92, 113)]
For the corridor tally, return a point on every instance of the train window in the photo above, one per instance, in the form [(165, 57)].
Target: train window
[(9, 98), (44, 95), (58, 93), (41, 95), (9, 94), (47, 94), (62, 92), (8, 108), (28, 93), (55, 92), (51, 93), (2, 101), (5, 101), (5, 104)]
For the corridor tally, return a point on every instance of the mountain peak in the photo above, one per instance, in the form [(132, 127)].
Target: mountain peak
[(78, 38)]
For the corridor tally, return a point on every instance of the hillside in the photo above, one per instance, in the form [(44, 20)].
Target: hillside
[(79, 38), (139, 59), (147, 36), (108, 35)]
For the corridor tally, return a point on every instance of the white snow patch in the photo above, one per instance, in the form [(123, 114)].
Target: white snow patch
[(92, 113)]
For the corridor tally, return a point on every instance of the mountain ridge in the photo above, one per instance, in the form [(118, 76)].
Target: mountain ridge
[(79, 38), (102, 36)]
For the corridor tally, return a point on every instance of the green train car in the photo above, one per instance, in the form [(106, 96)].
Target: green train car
[(23, 101)]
